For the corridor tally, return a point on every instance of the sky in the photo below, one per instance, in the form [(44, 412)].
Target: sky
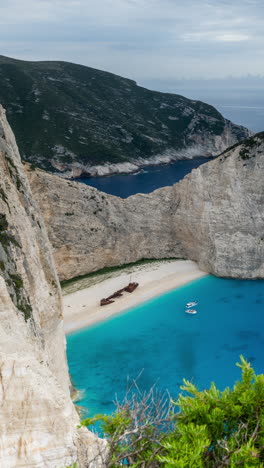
[(141, 39)]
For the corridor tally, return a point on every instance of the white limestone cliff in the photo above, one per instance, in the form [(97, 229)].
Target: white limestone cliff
[(38, 421), (214, 216)]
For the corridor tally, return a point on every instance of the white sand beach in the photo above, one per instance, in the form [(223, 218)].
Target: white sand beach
[(82, 308)]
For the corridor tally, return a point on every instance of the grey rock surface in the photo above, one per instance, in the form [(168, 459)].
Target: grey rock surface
[(38, 421), (213, 216)]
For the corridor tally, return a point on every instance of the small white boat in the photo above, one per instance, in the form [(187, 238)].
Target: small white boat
[(191, 304), (191, 311)]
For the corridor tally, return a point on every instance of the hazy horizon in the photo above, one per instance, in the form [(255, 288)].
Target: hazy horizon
[(227, 82)]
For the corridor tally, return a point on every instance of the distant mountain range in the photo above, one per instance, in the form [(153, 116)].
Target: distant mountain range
[(78, 120)]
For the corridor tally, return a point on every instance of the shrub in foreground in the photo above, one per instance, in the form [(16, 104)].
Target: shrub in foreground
[(210, 429)]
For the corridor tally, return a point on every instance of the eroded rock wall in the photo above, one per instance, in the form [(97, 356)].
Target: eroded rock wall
[(222, 212), (38, 422), (214, 216), (90, 230)]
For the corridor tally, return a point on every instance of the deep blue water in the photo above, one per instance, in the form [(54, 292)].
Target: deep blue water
[(159, 338), (146, 181)]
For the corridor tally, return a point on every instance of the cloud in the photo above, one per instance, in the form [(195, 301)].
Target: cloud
[(215, 36), (138, 38), (232, 37)]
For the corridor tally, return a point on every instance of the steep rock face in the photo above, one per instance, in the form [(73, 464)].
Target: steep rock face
[(90, 230), (38, 422), (222, 212), (76, 120), (214, 216)]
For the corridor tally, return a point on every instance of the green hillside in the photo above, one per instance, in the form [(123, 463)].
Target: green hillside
[(66, 113)]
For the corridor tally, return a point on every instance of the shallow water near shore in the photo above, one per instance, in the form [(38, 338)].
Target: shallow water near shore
[(160, 340)]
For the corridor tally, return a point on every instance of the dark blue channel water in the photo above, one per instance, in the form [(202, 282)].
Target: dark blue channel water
[(146, 181), (167, 344)]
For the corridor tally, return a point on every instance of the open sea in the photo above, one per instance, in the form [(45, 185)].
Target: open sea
[(164, 344)]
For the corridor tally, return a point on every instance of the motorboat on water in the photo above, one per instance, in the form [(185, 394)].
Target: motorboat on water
[(191, 304), (191, 311)]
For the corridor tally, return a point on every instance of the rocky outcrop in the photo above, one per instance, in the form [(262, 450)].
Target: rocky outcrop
[(38, 422), (213, 216), (77, 120), (204, 144)]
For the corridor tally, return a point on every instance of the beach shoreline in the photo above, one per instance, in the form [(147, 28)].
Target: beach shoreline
[(82, 307)]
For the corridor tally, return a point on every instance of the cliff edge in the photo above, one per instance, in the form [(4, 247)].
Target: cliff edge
[(213, 216), (38, 422)]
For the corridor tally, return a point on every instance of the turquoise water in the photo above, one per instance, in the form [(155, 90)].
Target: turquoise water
[(167, 345)]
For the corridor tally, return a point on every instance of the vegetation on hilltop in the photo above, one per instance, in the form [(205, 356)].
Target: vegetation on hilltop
[(249, 144), (211, 429), (63, 113)]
